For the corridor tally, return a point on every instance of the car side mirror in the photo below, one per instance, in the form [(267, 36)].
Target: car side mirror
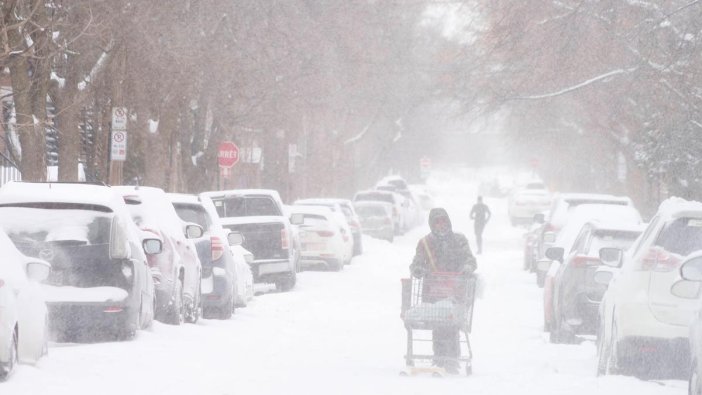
[(193, 231), (38, 270), (539, 218), (691, 269), (235, 239), (686, 289), (603, 277), (152, 246), (555, 253), (549, 237), (611, 257), (297, 219)]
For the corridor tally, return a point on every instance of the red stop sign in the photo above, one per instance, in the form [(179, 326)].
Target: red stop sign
[(227, 154)]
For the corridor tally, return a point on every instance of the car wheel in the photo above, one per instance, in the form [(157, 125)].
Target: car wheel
[(602, 356), (195, 308), (7, 367), (225, 312), (176, 313), (694, 386), (286, 284)]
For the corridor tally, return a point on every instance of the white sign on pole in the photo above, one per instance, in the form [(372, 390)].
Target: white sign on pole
[(119, 118), (118, 146)]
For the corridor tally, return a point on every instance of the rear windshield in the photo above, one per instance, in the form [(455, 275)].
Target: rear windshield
[(374, 197), (370, 211), (611, 238), (315, 221), (682, 236), (246, 206), (193, 213), (56, 222)]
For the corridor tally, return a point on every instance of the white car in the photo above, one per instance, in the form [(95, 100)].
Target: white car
[(322, 238), (642, 320), (525, 203), (344, 216), (23, 313), (398, 211), (244, 276)]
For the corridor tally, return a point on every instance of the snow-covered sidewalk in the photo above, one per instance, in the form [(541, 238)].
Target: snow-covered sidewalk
[(341, 333)]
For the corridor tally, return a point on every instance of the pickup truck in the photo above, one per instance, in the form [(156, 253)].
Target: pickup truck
[(268, 234)]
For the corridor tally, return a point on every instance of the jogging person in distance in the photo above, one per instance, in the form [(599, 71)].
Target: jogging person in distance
[(443, 250), (481, 215)]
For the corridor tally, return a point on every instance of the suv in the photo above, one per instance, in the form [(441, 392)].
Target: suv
[(346, 207), (393, 198), (258, 215), (643, 321), (177, 270), (100, 282), (218, 267)]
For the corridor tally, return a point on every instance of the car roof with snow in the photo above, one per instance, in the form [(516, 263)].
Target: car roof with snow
[(184, 198), (315, 210), (317, 202), (675, 207), (596, 212), (56, 192), (594, 197), (241, 192)]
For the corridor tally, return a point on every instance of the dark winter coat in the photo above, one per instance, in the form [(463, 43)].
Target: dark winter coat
[(443, 253)]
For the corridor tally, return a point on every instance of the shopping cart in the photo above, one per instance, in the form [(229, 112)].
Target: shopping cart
[(438, 301)]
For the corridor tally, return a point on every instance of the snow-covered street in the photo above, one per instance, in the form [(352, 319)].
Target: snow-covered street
[(340, 332)]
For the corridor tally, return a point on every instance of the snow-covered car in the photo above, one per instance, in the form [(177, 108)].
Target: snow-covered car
[(218, 283), (572, 297), (561, 208), (410, 208), (259, 216), (526, 202), (349, 213), (393, 198), (321, 237), (177, 270), (244, 276), (531, 242), (691, 271), (376, 219), (644, 321), (23, 315), (100, 282)]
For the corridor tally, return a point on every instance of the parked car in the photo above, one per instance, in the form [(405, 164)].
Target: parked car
[(259, 216), (347, 209), (644, 322), (524, 203), (410, 208), (558, 215), (177, 271), (218, 283), (322, 238), (244, 276), (388, 197), (376, 219), (572, 297), (691, 271), (100, 282), (531, 242), (23, 315)]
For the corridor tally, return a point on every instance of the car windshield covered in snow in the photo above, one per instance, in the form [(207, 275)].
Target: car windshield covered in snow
[(375, 196), (611, 238), (193, 213), (245, 206), (682, 236)]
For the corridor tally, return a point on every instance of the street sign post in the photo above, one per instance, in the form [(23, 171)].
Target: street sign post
[(118, 146), (119, 118)]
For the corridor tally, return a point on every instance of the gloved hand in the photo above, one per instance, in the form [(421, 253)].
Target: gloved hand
[(418, 272)]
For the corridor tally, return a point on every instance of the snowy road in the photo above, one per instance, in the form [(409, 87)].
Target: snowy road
[(341, 333)]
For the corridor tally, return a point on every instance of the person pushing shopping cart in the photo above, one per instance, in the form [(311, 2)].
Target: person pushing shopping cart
[(439, 296)]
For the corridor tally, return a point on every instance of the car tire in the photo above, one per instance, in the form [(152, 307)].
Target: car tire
[(694, 385), (7, 368), (225, 312), (336, 265), (176, 312), (286, 284), (195, 310)]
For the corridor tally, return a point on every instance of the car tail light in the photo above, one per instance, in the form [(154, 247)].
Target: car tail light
[(387, 221), (549, 227), (354, 224), (217, 247), (584, 261), (325, 233), (112, 309), (659, 260), (284, 242)]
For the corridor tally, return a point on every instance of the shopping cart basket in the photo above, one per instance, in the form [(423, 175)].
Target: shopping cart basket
[(438, 301)]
